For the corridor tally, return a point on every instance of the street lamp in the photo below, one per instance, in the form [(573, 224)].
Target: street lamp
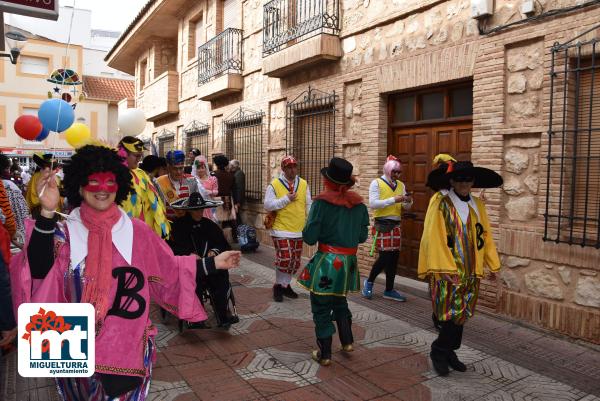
[(15, 41)]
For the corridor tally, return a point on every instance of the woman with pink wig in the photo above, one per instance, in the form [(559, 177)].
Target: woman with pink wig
[(209, 182), (387, 198)]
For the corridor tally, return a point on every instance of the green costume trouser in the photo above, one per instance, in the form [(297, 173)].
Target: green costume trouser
[(326, 309)]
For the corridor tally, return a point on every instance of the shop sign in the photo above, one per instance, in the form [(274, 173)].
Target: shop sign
[(46, 9)]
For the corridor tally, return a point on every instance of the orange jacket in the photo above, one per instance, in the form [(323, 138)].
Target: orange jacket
[(10, 223)]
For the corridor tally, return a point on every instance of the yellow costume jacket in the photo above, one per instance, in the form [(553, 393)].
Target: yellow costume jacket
[(434, 254), (146, 204)]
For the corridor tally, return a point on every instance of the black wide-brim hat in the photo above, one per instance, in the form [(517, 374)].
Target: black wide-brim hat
[(44, 160), (482, 177), (339, 171), (194, 202)]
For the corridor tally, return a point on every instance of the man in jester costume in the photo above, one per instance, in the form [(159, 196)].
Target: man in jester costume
[(457, 244), (338, 221), (175, 185), (144, 202), (288, 198)]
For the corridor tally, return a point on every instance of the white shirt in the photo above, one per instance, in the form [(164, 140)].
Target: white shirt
[(375, 201), (122, 237), (25, 176), (272, 203), (462, 207)]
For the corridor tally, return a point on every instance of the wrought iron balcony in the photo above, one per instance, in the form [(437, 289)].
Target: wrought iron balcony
[(220, 55), (286, 22)]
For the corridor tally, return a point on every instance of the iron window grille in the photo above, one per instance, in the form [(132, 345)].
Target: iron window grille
[(196, 136), (147, 146), (286, 22), (220, 55), (572, 213), (243, 132), (166, 142), (310, 134)]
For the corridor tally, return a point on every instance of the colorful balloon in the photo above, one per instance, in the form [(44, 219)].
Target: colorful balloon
[(28, 127), (56, 115), (78, 135), (43, 135), (131, 122)]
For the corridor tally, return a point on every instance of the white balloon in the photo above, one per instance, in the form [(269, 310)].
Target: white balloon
[(132, 122)]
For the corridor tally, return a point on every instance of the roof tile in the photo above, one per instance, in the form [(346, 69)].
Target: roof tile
[(110, 89)]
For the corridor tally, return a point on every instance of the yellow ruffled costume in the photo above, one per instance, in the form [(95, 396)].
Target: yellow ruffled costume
[(146, 204)]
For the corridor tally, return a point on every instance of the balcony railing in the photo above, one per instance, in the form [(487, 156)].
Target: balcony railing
[(220, 55), (285, 21)]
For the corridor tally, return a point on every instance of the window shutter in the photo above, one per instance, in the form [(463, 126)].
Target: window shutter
[(231, 14), (587, 177)]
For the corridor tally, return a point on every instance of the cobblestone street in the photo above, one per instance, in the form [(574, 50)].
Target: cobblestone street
[(267, 356)]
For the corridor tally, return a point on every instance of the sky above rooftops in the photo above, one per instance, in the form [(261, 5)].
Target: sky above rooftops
[(110, 15)]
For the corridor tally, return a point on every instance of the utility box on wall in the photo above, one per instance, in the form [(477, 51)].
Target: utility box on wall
[(482, 8)]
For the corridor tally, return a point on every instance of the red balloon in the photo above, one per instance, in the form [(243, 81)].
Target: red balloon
[(28, 127)]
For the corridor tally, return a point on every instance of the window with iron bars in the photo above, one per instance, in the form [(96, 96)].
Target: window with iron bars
[(166, 142), (147, 147), (286, 22), (572, 213), (196, 136), (243, 141), (310, 134)]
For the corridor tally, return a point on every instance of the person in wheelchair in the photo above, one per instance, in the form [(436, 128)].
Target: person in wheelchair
[(195, 234)]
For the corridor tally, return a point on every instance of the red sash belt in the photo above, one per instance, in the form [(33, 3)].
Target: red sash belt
[(337, 249)]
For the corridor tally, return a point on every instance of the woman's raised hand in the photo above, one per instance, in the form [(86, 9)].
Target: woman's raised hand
[(47, 189), (228, 260)]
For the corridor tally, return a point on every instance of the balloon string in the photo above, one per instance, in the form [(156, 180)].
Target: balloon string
[(62, 85)]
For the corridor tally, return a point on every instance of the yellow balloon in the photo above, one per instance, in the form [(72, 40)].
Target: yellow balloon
[(78, 135)]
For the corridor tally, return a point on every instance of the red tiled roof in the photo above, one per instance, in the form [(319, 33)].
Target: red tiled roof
[(110, 89)]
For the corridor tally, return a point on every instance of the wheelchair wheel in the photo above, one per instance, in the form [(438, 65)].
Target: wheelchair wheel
[(231, 309)]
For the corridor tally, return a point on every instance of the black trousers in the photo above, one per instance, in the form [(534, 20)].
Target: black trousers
[(449, 338), (219, 287), (387, 260)]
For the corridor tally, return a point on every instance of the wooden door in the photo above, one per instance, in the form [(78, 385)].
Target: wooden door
[(416, 148)]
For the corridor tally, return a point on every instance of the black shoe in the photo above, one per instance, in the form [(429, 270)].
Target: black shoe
[(278, 293), (288, 292), (323, 354), (227, 321), (196, 325), (455, 363), (226, 325)]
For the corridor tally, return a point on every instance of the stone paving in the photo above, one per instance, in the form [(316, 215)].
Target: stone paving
[(267, 357)]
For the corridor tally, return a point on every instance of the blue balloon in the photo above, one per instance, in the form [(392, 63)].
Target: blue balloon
[(56, 115), (43, 135)]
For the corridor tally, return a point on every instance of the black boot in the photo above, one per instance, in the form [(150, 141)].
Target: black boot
[(345, 332), (453, 361), (439, 357), (288, 292), (278, 293), (323, 354)]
